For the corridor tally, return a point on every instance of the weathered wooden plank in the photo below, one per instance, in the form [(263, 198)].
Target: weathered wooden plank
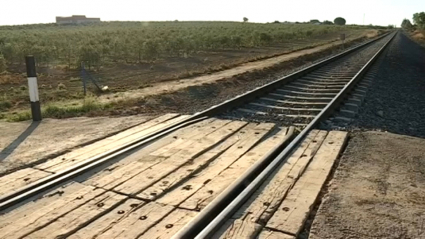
[(70, 190), (138, 161), (153, 174), (170, 225), (31, 216), (269, 234), (248, 135), (179, 195), (237, 229), (130, 225), (105, 223), (185, 140), (201, 198), (13, 181), (188, 169), (301, 198), (91, 152), (268, 197), (79, 217), (83, 150)]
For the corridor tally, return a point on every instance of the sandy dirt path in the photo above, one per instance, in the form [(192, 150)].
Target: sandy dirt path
[(378, 190), (171, 86)]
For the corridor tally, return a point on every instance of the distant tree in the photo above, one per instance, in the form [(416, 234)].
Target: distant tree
[(245, 19), (276, 21), (339, 21), (406, 24), (419, 19), (314, 21), (390, 27), (326, 22)]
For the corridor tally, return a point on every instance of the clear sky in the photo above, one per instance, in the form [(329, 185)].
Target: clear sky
[(377, 12)]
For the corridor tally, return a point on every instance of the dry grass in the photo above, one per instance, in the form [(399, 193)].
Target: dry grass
[(6, 78), (87, 106)]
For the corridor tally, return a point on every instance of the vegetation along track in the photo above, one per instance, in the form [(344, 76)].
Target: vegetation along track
[(319, 74)]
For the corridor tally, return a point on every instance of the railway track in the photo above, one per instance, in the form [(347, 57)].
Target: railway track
[(304, 99), (234, 197), (297, 102)]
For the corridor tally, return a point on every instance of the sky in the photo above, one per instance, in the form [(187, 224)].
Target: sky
[(376, 12)]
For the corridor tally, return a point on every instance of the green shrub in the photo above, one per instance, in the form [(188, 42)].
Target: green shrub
[(5, 105), (2, 63), (61, 86)]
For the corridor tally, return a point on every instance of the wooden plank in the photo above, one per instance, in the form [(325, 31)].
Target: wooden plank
[(138, 161), (301, 198), (249, 135), (261, 206), (103, 142), (41, 212), (70, 190), (92, 150), (116, 144), (129, 225), (79, 217), (138, 222), (187, 170), (186, 139), (155, 173), (109, 220), (201, 198), (170, 225), (244, 230), (14, 181), (179, 195), (269, 234), (237, 229)]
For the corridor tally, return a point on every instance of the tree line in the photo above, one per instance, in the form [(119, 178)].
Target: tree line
[(134, 42), (418, 20)]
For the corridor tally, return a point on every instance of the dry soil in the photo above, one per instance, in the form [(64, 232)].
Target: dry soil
[(378, 190)]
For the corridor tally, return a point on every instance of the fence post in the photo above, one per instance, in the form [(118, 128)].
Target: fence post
[(33, 88)]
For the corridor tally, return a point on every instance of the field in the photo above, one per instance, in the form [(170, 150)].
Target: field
[(134, 55)]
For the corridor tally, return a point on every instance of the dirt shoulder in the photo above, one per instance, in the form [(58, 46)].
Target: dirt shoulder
[(378, 190), (171, 86), (26, 143), (418, 36)]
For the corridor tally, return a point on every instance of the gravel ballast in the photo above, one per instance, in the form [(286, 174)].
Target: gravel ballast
[(395, 101), (347, 66)]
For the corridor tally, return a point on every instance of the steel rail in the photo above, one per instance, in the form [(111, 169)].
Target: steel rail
[(47, 183), (212, 217), (80, 168)]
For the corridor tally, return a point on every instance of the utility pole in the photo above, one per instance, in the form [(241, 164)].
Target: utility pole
[(364, 14)]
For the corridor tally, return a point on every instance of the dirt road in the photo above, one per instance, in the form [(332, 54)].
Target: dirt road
[(378, 190)]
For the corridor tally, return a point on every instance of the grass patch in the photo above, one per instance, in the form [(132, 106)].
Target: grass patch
[(5, 105), (89, 105), (19, 116)]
